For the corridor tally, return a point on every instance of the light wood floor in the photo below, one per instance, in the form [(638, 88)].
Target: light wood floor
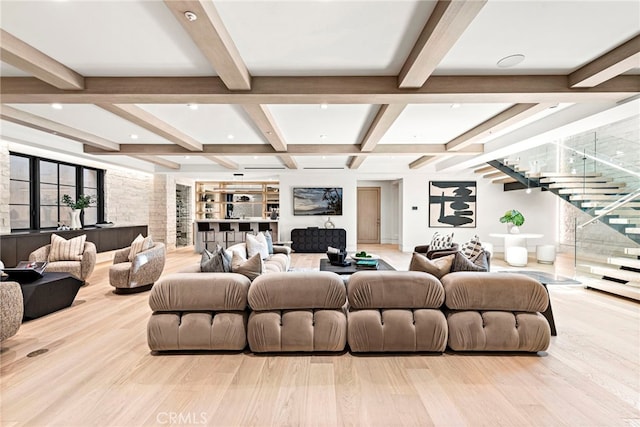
[(98, 371)]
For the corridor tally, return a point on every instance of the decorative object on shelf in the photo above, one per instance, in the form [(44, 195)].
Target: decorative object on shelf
[(514, 219), (274, 213), (76, 208), (104, 224), (452, 204), (328, 223)]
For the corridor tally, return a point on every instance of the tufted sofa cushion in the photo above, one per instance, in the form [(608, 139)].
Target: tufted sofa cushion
[(297, 311), (395, 311), (496, 312)]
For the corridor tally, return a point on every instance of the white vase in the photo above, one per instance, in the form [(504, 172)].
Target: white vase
[(514, 229), (76, 224)]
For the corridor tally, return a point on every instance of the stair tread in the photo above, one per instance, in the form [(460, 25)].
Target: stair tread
[(615, 272), (483, 169), (627, 262), (611, 197), (568, 175), (612, 287), (602, 204), (632, 230), (613, 191), (573, 178), (588, 185), (632, 251), (624, 221), (495, 174)]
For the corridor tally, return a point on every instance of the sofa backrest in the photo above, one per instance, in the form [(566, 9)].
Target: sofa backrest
[(494, 291), (394, 289), (297, 290)]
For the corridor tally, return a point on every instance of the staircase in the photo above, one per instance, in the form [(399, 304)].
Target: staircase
[(596, 195)]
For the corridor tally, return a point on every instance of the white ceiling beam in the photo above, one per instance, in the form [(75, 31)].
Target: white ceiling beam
[(261, 116), (613, 63), (293, 150), (446, 24), (21, 55), (159, 161), (356, 161), (222, 161), (423, 161), (288, 161), (318, 90), (386, 116), (506, 118), (142, 118), (212, 38), (48, 126)]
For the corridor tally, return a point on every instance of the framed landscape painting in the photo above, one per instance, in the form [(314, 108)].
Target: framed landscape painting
[(317, 201), (452, 204)]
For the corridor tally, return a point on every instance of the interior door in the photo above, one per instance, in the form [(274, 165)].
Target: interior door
[(368, 214)]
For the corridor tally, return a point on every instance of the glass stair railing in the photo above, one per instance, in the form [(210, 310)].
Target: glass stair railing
[(598, 173)]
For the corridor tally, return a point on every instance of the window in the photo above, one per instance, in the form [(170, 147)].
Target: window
[(37, 188), (19, 192)]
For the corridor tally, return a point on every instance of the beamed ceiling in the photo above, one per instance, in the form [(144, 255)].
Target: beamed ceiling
[(290, 85)]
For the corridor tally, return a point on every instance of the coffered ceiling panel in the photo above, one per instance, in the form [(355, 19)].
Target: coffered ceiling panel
[(107, 38), (325, 37), (94, 120), (209, 124), (322, 162), (438, 123), (556, 37), (312, 124)]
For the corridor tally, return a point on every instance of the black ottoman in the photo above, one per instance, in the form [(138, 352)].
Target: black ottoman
[(52, 292)]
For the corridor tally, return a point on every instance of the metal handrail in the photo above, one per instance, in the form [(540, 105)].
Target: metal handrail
[(613, 206)]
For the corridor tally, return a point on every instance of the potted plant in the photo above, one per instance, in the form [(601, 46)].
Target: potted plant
[(513, 219), (77, 207)]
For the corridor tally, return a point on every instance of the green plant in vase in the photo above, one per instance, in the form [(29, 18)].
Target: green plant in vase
[(76, 208), (514, 218)]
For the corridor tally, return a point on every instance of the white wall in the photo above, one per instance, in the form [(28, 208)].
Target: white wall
[(348, 219)]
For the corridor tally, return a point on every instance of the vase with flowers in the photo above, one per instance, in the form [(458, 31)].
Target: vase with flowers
[(84, 201)]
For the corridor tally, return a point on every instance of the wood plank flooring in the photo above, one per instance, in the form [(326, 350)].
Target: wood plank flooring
[(98, 371)]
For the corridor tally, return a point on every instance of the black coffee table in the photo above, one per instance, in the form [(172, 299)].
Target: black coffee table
[(52, 292), (325, 265)]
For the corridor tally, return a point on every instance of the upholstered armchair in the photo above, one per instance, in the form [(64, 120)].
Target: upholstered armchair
[(11, 309), (436, 253), (81, 269), (139, 274)]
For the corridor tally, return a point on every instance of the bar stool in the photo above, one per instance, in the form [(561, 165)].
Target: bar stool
[(225, 227), (204, 228), (244, 228)]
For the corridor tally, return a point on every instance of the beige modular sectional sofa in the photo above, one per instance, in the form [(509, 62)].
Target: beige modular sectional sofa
[(376, 311)]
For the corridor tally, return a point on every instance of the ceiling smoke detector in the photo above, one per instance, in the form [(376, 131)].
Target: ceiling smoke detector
[(190, 16)]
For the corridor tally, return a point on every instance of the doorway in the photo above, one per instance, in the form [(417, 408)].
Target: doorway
[(369, 215)]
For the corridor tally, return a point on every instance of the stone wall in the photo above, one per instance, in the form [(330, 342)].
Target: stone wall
[(127, 196), (5, 226), (162, 210)]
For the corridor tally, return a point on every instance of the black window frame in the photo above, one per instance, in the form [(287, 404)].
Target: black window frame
[(34, 190)]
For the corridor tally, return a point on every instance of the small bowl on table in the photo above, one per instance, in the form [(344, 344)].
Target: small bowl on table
[(337, 258)]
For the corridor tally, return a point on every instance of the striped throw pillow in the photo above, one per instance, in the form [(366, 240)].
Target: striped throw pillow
[(472, 248), (441, 241), (66, 250)]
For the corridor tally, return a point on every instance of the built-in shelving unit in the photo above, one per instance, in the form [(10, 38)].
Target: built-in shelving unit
[(183, 215), (236, 199)]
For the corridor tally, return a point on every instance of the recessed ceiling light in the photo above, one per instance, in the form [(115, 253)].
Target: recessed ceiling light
[(56, 106), (528, 191), (455, 105), (324, 106), (255, 157), (193, 106), (230, 136), (190, 16), (510, 61), (187, 157), (133, 136), (323, 136), (324, 157)]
